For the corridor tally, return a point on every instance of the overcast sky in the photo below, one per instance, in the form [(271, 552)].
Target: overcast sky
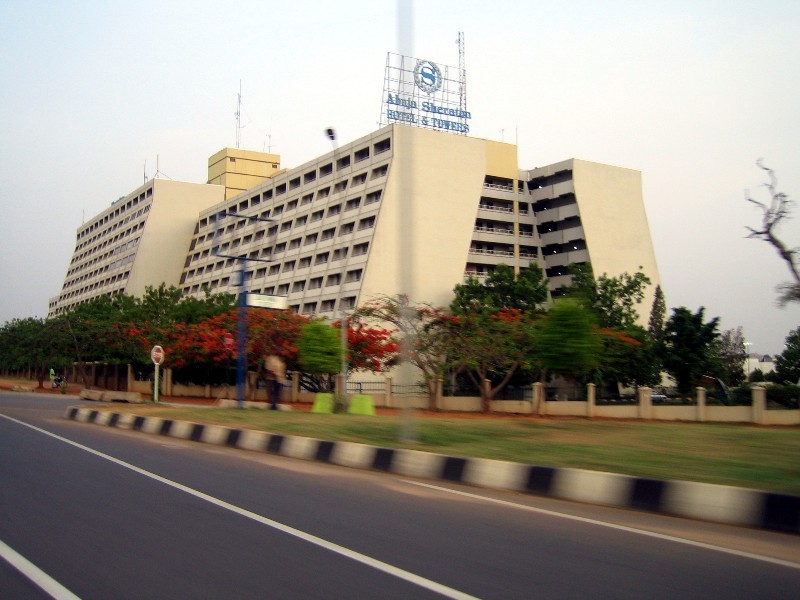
[(690, 93)]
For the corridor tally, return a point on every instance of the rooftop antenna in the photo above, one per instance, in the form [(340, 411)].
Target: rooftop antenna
[(462, 71), (144, 170), (238, 113)]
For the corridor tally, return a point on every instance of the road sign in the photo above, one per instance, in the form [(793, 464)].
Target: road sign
[(157, 355), (265, 301), (227, 341)]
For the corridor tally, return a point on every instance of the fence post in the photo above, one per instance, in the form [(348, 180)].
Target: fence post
[(701, 404), (645, 403), (538, 398), (759, 399), (591, 392), (387, 392)]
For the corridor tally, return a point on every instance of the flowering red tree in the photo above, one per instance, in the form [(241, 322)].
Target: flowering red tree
[(372, 349)]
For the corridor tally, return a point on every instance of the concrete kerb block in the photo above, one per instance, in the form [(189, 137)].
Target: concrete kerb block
[(152, 425), (91, 395), (253, 440), (181, 430), (125, 421), (215, 434), (709, 502), (498, 474), (299, 447), (351, 454), (415, 463), (593, 487)]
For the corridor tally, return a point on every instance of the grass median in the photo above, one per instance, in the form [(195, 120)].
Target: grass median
[(740, 455)]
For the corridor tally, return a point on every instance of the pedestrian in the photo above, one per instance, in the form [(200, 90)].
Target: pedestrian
[(52, 377), (276, 375)]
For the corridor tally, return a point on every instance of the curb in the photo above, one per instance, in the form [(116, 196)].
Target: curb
[(700, 501)]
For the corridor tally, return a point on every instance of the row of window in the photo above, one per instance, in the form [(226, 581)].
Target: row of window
[(115, 219), (117, 264), (129, 245), (89, 244), (288, 266), (117, 279), (300, 202)]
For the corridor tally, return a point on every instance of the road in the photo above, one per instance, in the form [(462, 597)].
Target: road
[(103, 513)]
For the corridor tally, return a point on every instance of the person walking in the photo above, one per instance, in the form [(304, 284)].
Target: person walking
[(276, 375)]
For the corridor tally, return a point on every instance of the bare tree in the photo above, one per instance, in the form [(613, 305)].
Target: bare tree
[(773, 213)]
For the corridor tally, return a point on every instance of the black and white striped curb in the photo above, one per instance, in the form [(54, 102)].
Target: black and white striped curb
[(702, 501)]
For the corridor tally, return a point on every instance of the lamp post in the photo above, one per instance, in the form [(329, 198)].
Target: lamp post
[(330, 133), (241, 326)]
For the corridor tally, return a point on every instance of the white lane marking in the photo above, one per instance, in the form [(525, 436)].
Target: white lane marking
[(428, 584), (644, 532), (38, 577)]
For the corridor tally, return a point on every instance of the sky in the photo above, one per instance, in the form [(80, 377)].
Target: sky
[(98, 95)]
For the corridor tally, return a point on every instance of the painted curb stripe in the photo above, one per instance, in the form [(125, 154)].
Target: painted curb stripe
[(382, 461), (778, 512)]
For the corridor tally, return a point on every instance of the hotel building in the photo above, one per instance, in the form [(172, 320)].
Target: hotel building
[(401, 210)]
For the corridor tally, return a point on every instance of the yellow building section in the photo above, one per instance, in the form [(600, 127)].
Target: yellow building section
[(240, 170), (501, 160)]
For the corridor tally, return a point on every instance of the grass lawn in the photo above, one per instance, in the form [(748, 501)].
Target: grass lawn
[(742, 455)]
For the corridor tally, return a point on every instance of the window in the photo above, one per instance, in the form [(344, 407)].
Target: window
[(281, 189), (328, 233), (280, 247), (340, 254), (379, 172), (340, 187), (307, 199), (367, 223), (304, 262), (294, 244), (334, 279), (373, 197), (294, 183), (291, 205), (362, 154), (315, 283), (298, 286), (359, 179), (316, 216), (309, 177), (321, 258), (288, 266), (311, 239), (343, 163), (347, 228), (299, 221), (277, 210), (283, 289), (334, 210), (274, 270), (309, 308), (286, 226), (353, 276), (327, 305), (347, 303), (383, 146), (326, 170), (352, 204)]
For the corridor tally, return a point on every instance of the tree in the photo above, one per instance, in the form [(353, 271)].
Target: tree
[(567, 340), (658, 314), (503, 289), (319, 354), (372, 349), (489, 347), (773, 213), (419, 327), (787, 363), (614, 299), (690, 347), (732, 356)]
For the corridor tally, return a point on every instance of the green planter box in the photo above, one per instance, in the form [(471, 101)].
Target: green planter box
[(323, 403), (361, 405)]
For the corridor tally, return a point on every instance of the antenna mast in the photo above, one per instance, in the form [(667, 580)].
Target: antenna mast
[(238, 113), (462, 71)]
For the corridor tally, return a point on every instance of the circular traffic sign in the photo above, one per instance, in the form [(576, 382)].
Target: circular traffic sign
[(157, 355)]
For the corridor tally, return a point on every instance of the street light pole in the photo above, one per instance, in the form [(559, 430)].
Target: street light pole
[(330, 133), (241, 331)]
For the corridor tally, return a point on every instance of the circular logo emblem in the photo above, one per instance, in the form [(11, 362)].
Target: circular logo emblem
[(427, 76)]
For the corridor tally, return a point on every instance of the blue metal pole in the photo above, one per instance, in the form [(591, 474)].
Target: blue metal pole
[(241, 362)]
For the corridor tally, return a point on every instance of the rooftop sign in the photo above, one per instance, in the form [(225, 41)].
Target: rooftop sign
[(424, 94)]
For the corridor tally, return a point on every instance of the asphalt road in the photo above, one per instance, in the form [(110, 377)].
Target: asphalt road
[(104, 513)]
